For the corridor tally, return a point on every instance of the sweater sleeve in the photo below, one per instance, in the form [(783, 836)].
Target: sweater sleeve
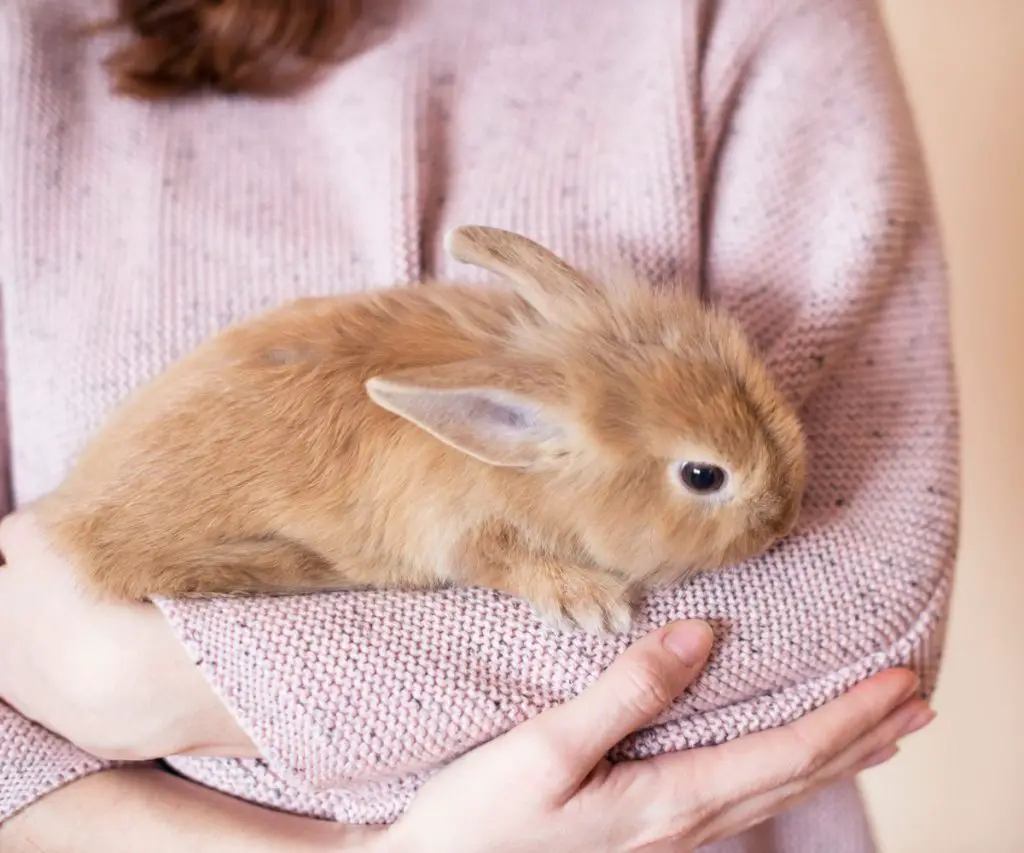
[(34, 762)]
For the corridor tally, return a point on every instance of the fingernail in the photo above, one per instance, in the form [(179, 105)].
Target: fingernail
[(879, 757), (689, 641), (917, 722), (912, 688)]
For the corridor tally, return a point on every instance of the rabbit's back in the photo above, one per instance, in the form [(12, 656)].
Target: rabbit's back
[(265, 431)]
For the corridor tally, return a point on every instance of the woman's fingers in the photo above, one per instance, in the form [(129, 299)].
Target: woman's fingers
[(877, 758), (873, 748), (632, 692), (709, 781), (755, 777), (910, 717), (761, 762)]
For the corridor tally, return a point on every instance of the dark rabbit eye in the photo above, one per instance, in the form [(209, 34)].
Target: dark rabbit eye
[(701, 477)]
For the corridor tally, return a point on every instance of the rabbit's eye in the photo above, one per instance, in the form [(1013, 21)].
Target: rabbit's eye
[(701, 477)]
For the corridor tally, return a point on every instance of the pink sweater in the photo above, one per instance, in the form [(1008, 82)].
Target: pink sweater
[(760, 149)]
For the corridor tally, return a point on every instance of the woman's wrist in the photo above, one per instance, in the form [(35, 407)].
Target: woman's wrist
[(143, 808)]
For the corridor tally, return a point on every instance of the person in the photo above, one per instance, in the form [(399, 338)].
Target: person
[(760, 150)]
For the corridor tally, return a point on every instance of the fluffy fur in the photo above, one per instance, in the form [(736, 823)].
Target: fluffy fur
[(526, 439)]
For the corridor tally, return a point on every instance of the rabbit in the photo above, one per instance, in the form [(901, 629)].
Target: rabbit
[(571, 441)]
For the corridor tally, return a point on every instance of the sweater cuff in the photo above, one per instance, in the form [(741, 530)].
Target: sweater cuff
[(34, 762)]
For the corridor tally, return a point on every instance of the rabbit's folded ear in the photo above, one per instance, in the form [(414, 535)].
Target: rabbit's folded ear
[(483, 408), (558, 291)]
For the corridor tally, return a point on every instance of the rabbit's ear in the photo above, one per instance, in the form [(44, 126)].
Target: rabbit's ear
[(554, 288), (494, 412)]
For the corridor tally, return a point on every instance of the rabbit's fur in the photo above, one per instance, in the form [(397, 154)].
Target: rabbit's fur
[(526, 439)]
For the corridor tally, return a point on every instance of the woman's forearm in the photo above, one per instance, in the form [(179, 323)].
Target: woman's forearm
[(142, 808)]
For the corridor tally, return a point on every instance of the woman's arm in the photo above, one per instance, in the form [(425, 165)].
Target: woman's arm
[(545, 785), (128, 810), (823, 239), (821, 229)]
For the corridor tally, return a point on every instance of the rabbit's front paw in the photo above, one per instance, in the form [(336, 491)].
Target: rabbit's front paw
[(592, 601)]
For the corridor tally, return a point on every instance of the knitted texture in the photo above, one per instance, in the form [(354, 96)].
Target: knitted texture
[(758, 149)]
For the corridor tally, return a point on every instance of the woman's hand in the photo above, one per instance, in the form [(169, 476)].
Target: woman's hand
[(114, 680), (546, 785), (111, 678)]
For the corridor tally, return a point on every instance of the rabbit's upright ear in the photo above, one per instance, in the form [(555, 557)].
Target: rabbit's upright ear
[(497, 413), (558, 291)]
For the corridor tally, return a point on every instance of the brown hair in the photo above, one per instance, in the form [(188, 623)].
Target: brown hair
[(256, 47)]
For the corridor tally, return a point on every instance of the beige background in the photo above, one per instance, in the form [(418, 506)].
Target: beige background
[(958, 787)]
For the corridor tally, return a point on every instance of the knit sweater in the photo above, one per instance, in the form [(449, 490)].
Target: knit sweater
[(758, 150)]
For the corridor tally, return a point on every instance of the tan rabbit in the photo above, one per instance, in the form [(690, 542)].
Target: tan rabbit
[(563, 440)]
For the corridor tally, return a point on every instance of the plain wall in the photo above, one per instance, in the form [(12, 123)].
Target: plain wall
[(958, 787)]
